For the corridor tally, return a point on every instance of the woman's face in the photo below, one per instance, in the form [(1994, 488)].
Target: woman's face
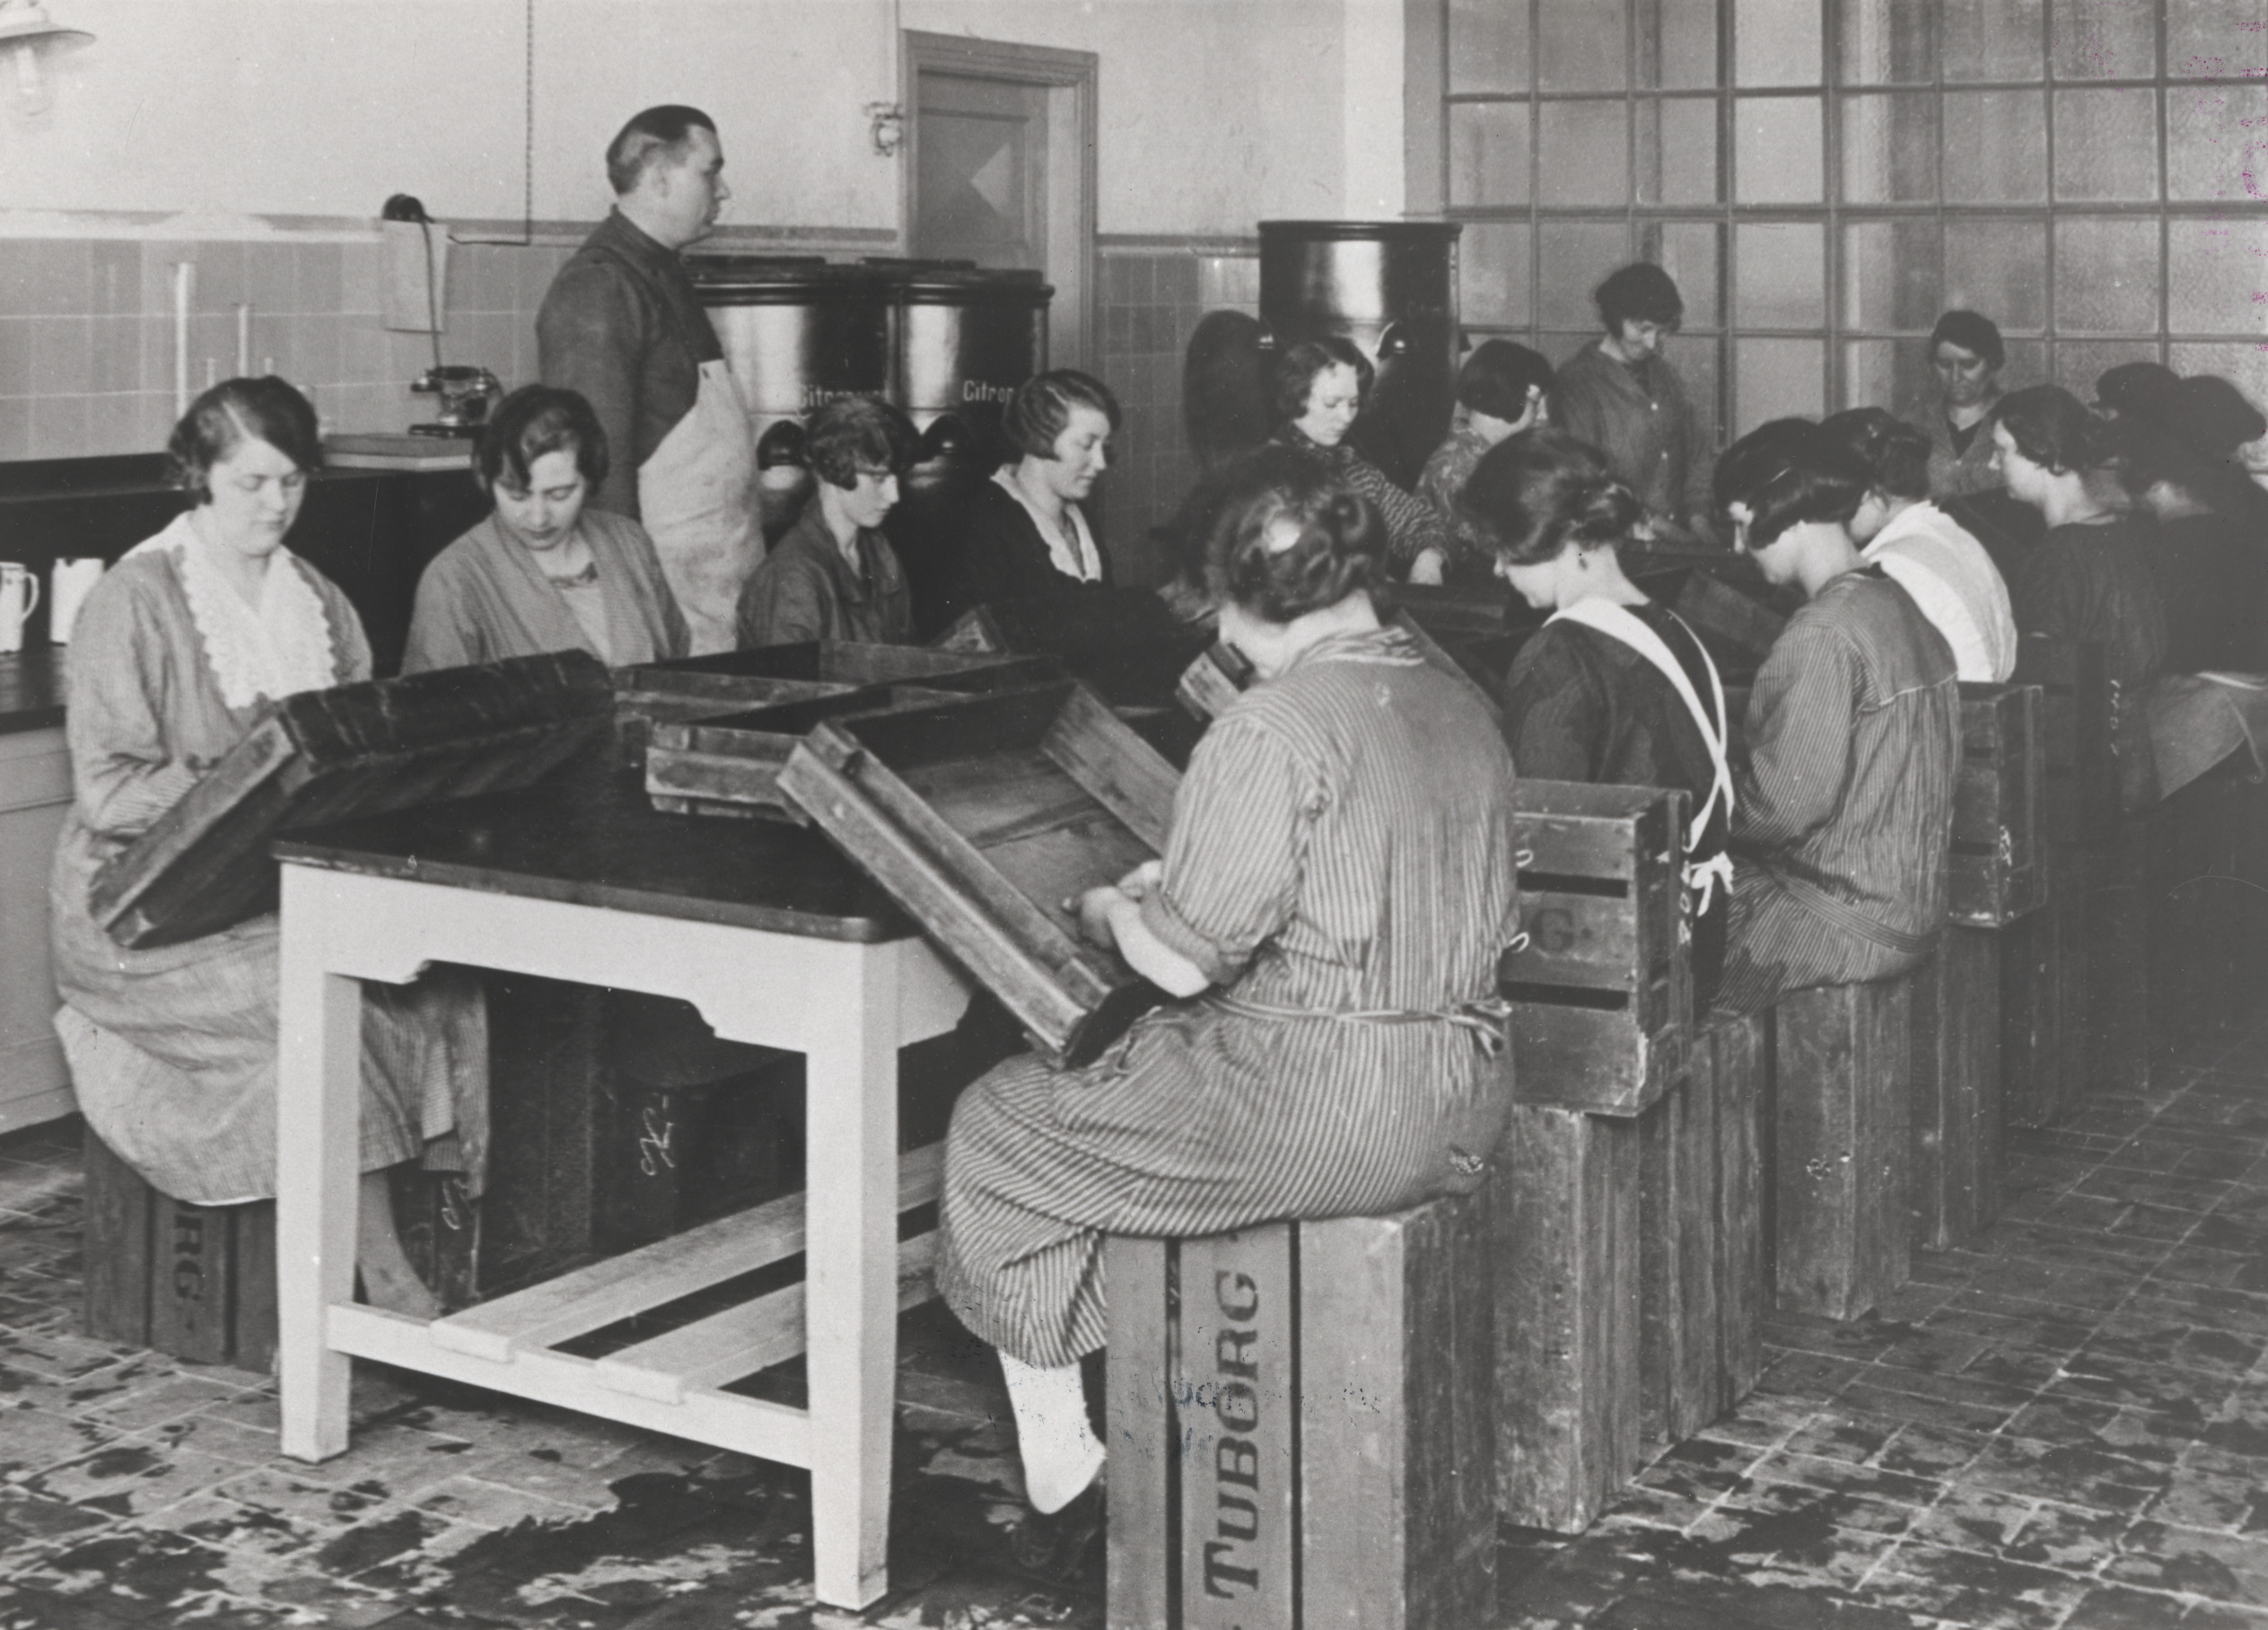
[(1965, 377), (543, 514), (256, 492), (1081, 455), (2024, 479), (1334, 396)]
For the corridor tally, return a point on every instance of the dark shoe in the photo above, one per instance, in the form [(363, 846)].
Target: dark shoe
[(1053, 1546)]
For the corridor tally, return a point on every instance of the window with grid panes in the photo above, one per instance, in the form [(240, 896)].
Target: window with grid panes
[(1824, 177)]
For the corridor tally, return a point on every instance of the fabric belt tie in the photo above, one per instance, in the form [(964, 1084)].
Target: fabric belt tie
[(1703, 877), (1486, 1017), (1824, 906)]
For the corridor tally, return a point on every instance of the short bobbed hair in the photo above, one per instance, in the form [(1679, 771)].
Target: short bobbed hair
[(2214, 417), (1788, 472), (1533, 494), (656, 135), (2148, 388), (1894, 450), (1039, 413), (2052, 428), (1496, 379), (1640, 291), (2147, 453), (266, 409), (1974, 332), (536, 420), (1341, 546), (1300, 366), (858, 434)]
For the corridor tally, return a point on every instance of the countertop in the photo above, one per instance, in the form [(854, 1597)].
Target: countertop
[(31, 690)]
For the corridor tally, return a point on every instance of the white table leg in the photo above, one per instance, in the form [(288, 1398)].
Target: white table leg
[(850, 1288), (317, 1134)]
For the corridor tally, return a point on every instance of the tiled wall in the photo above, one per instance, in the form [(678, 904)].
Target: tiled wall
[(1152, 300), (86, 332)]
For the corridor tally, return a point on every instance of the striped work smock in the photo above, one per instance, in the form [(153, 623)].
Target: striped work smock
[(1342, 843)]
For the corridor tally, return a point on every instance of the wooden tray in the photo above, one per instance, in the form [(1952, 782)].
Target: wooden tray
[(334, 755), (1123, 643), (1998, 863), (1450, 614), (980, 816), (730, 765)]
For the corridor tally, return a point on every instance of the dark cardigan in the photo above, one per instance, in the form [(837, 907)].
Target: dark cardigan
[(995, 553)]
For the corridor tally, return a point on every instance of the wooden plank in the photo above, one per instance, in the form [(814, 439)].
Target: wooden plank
[(1596, 1060), (1146, 1458), (1661, 1288), (253, 1330), (1564, 1214), (1843, 1137), (195, 1280), (1956, 1089), (1115, 766), (1237, 1387), (1739, 1052), (1697, 1383), (119, 1269)]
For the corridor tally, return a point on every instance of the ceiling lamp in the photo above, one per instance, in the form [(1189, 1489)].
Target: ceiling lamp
[(25, 31)]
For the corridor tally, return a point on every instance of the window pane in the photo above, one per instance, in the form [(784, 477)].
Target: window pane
[(1687, 251), (1779, 274), (1585, 157), (2026, 364), (1776, 150), (2107, 144), (1488, 45), (1695, 357), (1890, 276), (2107, 276), (1774, 379), (1678, 151), (2216, 38), (1560, 350), (1578, 254), (2219, 140), (1889, 149), (2243, 366), (1890, 42), (1995, 147), (2079, 364), (1775, 42), (1987, 40), (1999, 267), (2104, 40), (1680, 52), (1582, 45), (1492, 275), (1488, 152), (1890, 374), (2217, 270)]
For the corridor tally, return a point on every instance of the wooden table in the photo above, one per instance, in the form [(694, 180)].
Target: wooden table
[(778, 941)]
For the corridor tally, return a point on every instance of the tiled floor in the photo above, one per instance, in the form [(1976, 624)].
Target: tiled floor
[(2066, 1429)]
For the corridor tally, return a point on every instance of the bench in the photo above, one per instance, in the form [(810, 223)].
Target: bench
[(1300, 1423)]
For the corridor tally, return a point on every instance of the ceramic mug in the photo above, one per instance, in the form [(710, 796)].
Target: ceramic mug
[(19, 594), (66, 590)]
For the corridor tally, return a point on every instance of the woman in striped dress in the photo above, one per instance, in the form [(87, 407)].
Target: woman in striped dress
[(1321, 386), (1337, 885)]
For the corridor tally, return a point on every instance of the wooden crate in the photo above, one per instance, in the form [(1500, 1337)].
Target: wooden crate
[(333, 755), (1678, 1263), (981, 817), (2080, 801), (1998, 870), (676, 1153), (729, 763), (1843, 1137), (1300, 1422), (1955, 1183), (1602, 992), (1737, 1052)]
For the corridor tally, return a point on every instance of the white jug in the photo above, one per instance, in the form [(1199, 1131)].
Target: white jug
[(19, 593), (65, 590)]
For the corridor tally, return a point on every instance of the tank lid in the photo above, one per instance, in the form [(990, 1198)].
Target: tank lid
[(968, 285), (779, 279), (1365, 231)]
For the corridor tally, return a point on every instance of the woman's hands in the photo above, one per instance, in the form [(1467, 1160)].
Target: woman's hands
[(1110, 916), (1093, 908)]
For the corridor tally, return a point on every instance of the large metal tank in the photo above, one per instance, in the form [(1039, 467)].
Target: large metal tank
[(799, 332), (1391, 287)]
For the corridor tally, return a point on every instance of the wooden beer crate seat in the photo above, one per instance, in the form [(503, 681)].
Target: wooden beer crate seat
[(1300, 1423), (332, 755), (735, 681), (1841, 1145), (981, 816)]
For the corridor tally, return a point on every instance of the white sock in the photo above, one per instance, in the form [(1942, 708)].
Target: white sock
[(1061, 1452)]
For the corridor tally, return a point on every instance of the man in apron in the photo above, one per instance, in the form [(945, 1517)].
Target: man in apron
[(622, 325)]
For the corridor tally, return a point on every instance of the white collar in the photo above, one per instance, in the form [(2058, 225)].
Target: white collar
[(277, 649), (1086, 563)]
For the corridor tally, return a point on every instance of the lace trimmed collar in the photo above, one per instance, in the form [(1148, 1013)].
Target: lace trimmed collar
[(273, 650), (1088, 567)]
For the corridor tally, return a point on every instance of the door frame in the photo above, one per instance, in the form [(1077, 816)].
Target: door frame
[(1070, 79)]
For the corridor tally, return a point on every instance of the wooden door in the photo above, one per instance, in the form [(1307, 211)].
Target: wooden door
[(982, 188)]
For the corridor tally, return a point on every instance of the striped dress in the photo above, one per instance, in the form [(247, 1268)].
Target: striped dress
[(1844, 812), (1343, 841)]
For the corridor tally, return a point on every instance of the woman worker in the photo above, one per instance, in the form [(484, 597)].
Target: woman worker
[(2204, 551), (1612, 688), (1501, 389), (544, 573), (1845, 796), (1924, 550), (833, 576), (175, 653), (1967, 355), (1023, 534), (1337, 884), (1320, 387), (1620, 394)]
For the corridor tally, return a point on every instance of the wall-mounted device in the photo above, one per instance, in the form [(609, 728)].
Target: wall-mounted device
[(466, 394)]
